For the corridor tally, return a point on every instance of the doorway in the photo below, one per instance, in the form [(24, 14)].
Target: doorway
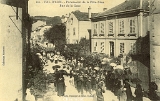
[(111, 49)]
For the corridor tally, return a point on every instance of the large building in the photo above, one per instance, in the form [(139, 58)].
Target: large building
[(123, 29), (155, 42), (77, 26), (116, 30), (14, 49)]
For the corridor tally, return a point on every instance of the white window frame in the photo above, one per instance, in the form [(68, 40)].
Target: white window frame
[(122, 48), (132, 26), (102, 48), (95, 28), (102, 26), (74, 31), (133, 48), (95, 46), (121, 26), (110, 27)]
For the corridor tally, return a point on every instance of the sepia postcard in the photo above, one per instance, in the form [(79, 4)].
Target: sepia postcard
[(79, 50)]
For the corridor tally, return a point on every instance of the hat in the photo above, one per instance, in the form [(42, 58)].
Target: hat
[(100, 84)]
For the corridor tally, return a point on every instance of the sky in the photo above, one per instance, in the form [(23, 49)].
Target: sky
[(60, 7)]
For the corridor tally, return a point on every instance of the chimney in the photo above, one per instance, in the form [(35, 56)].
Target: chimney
[(89, 12), (104, 9)]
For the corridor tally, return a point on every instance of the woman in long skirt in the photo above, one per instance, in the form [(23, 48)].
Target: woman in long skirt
[(100, 91), (61, 87)]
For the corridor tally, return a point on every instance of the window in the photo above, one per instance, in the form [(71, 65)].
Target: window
[(121, 48), (102, 28), (110, 27), (121, 26), (95, 46), (95, 30), (102, 47), (132, 26), (68, 32), (74, 31), (133, 48)]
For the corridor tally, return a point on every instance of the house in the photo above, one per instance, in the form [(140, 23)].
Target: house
[(77, 26), (123, 30), (37, 34), (14, 49), (38, 24), (155, 43)]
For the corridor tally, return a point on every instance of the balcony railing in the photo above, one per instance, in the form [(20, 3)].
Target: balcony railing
[(132, 34), (101, 34), (111, 35), (121, 34)]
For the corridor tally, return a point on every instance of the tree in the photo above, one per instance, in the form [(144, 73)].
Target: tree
[(56, 35), (77, 51), (53, 20), (84, 46)]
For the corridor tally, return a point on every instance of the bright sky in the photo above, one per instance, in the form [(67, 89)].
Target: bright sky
[(50, 8)]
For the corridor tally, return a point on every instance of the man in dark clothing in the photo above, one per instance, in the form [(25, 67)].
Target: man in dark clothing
[(80, 84), (57, 75), (88, 85), (93, 81), (117, 86), (139, 93), (128, 91), (85, 82), (75, 79)]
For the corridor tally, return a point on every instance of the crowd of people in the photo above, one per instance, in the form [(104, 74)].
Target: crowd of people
[(95, 79), (92, 79)]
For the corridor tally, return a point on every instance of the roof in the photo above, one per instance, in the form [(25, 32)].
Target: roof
[(83, 16), (15, 3), (126, 6)]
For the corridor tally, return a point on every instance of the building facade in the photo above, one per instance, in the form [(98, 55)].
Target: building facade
[(155, 42), (115, 31), (14, 49), (123, 30), (77, 26)]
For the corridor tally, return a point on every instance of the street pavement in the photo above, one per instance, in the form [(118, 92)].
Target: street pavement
[(71, 93)]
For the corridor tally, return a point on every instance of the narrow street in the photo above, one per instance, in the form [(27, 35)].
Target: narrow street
[(72, 94)]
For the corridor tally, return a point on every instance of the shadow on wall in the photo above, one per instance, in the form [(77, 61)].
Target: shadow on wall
[(142, 50), (141, 60)]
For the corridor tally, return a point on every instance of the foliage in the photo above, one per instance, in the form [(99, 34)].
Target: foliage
[(54, 20), (37, 84), (77, 50), (94, 59), (49, 20), (116, 60), (56, 35)]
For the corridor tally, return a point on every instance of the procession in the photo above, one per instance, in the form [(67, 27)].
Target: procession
[(104, 50), (94, 82)]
